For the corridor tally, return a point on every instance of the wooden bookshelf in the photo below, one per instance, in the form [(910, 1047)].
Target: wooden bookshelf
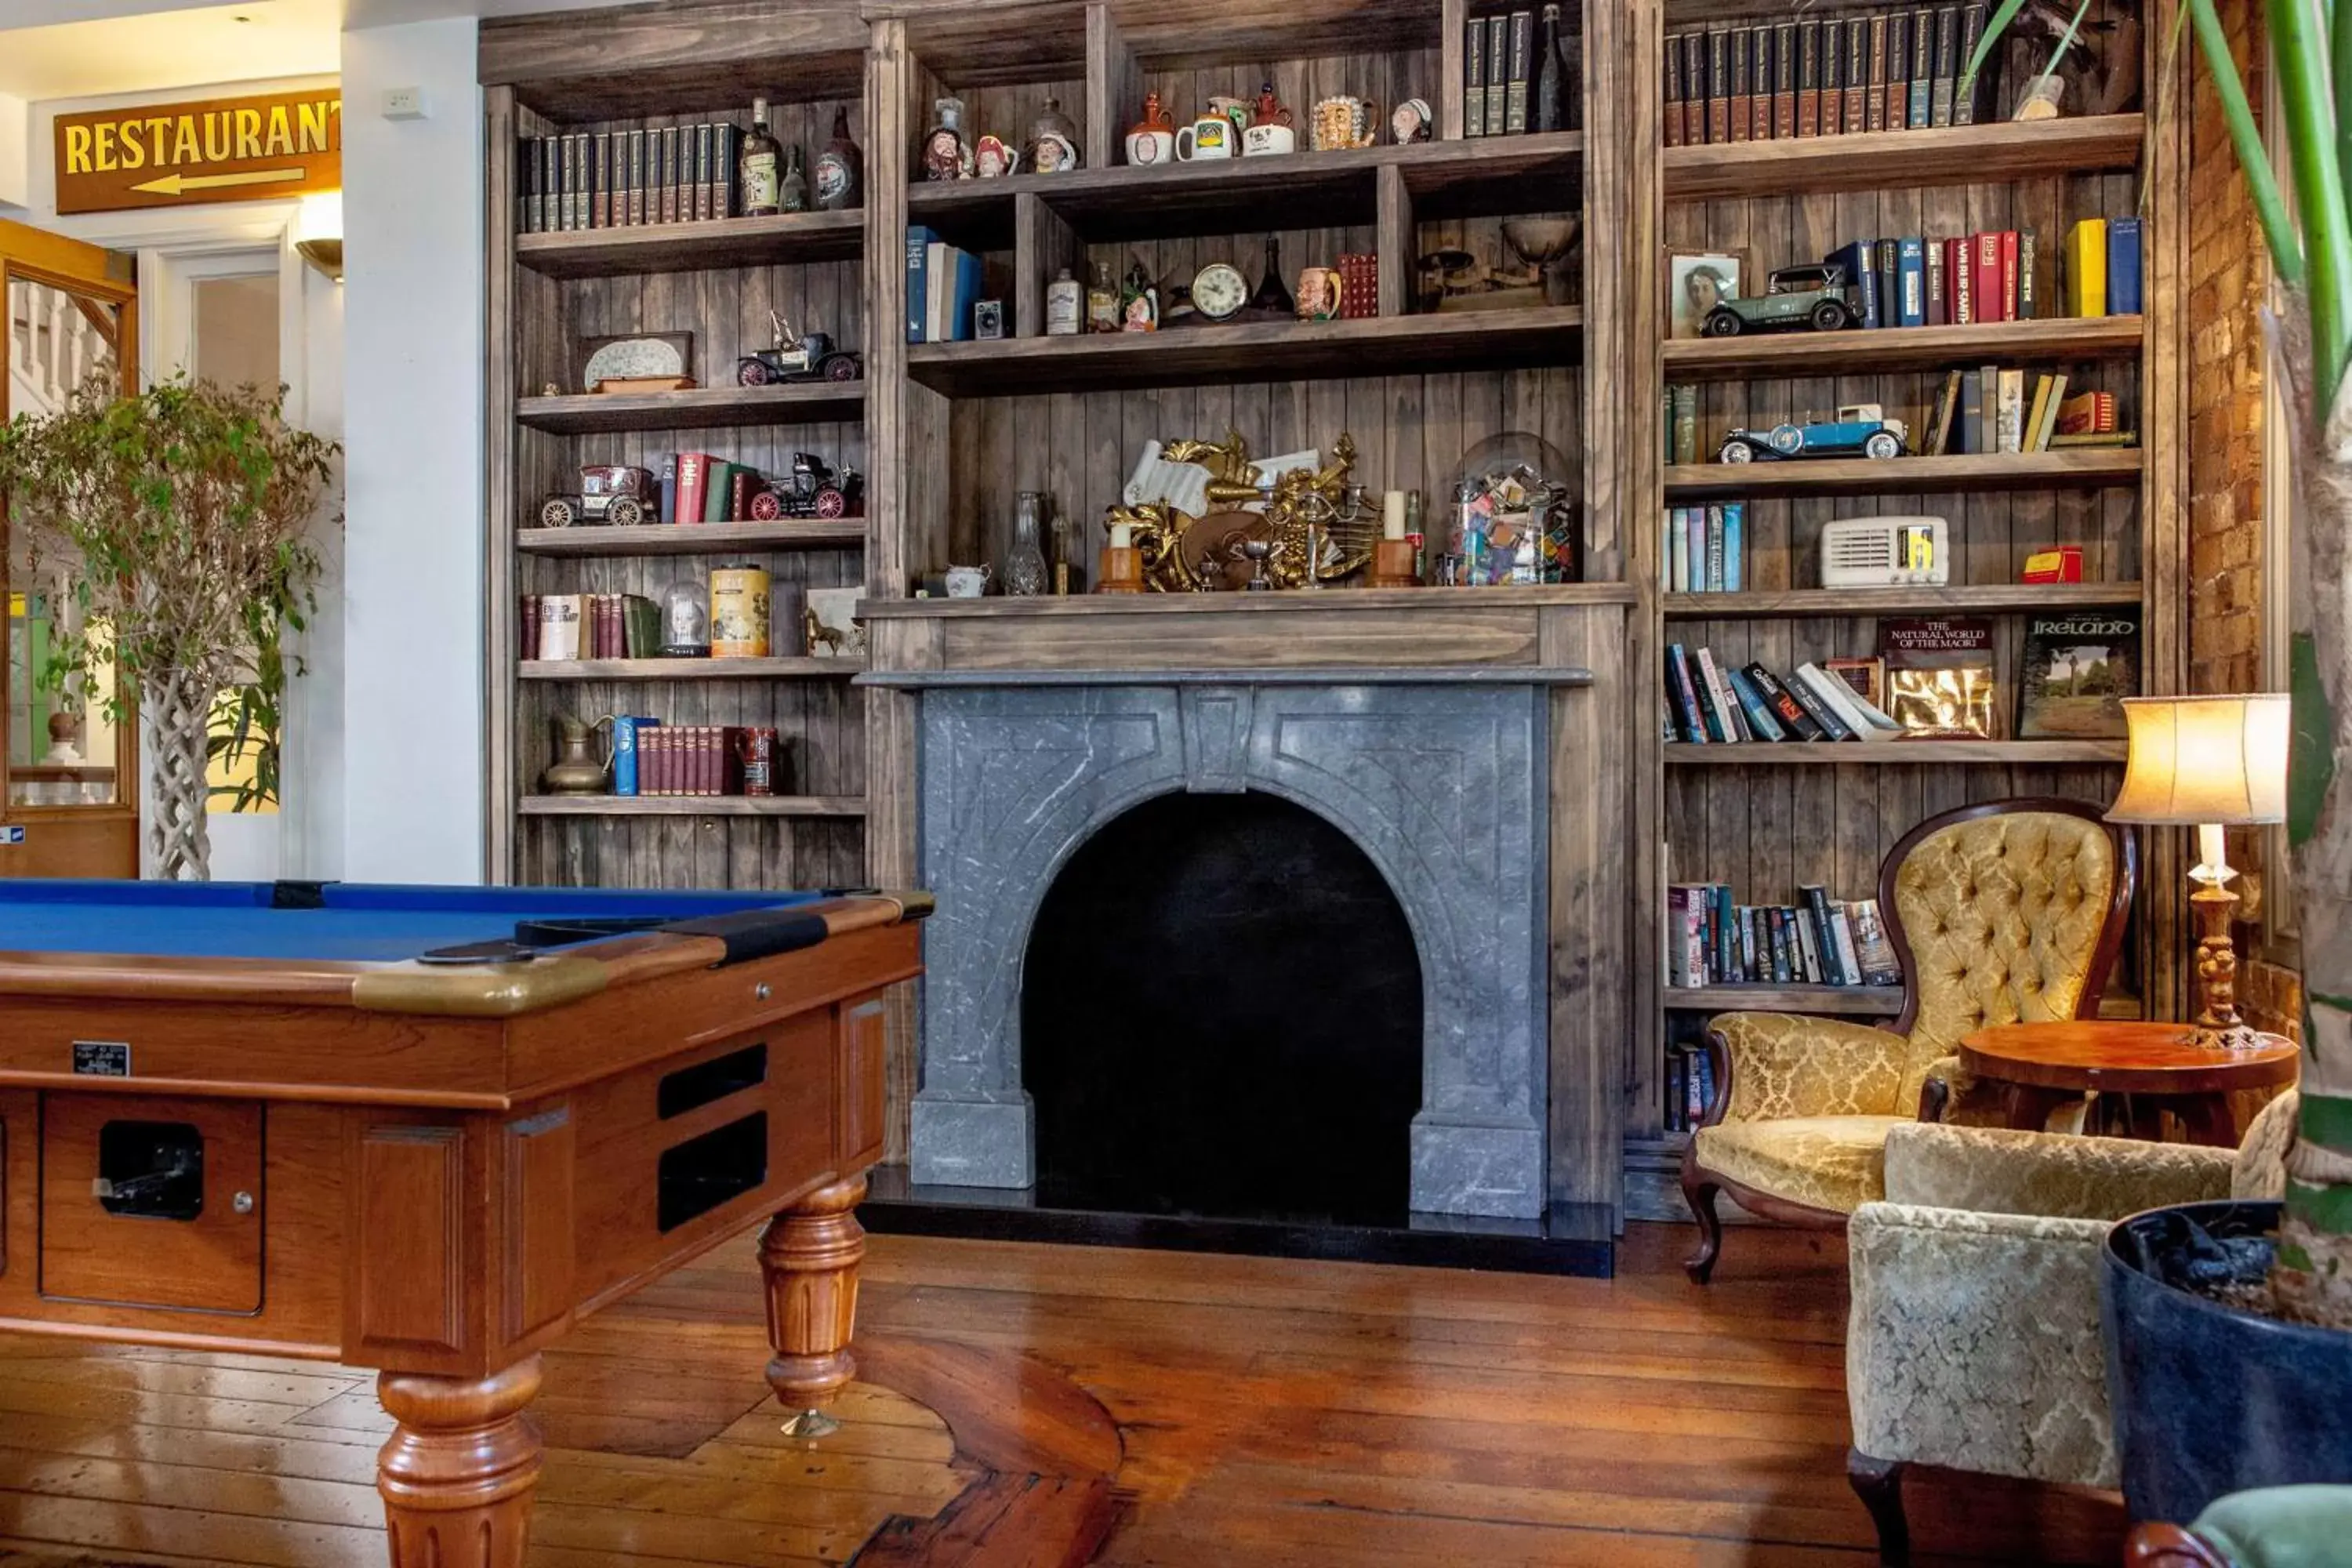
[(2060, 340), (2096, 467), (1250, 353), (1955, 155), (805, 805), (1991, 599), (689, 668), (697, 408), (1862, 1000), (1892, 753), (694, 538), (781, 240)]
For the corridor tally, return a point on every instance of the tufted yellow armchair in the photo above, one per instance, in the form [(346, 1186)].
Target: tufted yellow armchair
[(2004, 913)]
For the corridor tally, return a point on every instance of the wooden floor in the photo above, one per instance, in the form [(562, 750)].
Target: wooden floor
[(1025, 1400)]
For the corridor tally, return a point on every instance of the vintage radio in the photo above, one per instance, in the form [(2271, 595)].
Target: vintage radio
[(1886, 552)]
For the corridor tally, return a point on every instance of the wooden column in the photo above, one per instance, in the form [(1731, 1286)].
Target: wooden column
[(500, 578), (809, 1254), (459, 1472), (1396, 242), (1114, 89)]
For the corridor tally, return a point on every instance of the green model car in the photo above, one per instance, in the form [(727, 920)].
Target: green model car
[(1816, 296)]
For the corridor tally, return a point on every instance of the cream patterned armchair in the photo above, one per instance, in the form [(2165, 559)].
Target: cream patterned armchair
[(1973, 1341), (2008, 911)]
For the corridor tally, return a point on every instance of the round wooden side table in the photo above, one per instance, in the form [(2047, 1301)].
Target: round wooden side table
[(2151, 1067)]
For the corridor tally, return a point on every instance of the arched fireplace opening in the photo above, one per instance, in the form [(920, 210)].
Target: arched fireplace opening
[(1221, 1015)]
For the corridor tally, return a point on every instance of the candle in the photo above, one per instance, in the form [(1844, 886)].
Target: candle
[(1392, 515), (1122, 534)]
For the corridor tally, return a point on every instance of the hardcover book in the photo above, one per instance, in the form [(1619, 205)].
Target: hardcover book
[(1743, 83), (2075, 670), (1873, 96), (1671, 92), (1784, 81), (1833, 77), (1972, 27), (1809, 78), (1515, 91), (1923, 70), (1763, 75), (1718, 85), (1940, 675), (1474, 79), (1498, 73), (1948, 65), (1854, 114), (1897, 96)]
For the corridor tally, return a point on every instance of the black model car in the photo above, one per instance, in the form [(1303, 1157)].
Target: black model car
[(811, 489), (1816, 296), (797, 356)]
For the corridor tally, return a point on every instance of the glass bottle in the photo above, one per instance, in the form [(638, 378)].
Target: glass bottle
[(1069, 560), (1065, 306), (1024, 564), (756, 168), (1102, 302), (1552, 81), (947, 146), (793, 195), (840, 169), (1273, 298)]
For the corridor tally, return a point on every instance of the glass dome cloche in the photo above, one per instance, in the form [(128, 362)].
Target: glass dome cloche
[(1512, 516), (686, 619)]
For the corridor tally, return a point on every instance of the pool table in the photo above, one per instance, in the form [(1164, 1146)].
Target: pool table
[(424, 1130)]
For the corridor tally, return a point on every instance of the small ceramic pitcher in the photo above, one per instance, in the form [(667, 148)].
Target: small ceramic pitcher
[(1152, 138)]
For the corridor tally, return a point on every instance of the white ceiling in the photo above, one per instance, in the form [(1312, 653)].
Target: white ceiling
[(196, 46)]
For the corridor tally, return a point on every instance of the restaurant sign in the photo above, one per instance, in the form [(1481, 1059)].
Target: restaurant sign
[(214, 150)]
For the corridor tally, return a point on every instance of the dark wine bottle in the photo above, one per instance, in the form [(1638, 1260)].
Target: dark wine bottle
[(1273, 297), (1553, 83)]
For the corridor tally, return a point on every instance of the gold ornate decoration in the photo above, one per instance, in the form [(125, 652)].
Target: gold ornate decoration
[(1311, 524)]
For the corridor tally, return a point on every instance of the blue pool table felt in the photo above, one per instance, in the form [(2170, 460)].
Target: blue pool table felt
[(357, 922)]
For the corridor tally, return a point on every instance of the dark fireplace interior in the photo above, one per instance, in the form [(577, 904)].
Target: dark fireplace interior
[(1221, 1017)]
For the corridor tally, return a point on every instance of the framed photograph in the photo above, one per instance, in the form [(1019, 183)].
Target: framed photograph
[(1695, 280), (988, 320)]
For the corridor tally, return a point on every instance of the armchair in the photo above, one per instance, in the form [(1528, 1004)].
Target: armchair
[(1973, 1339), (2006, 911)]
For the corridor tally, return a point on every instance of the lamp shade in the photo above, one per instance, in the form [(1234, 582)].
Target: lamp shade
[(2197, 760)]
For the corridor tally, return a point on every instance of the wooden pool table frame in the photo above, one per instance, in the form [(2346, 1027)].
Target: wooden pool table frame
[(437, 1171)]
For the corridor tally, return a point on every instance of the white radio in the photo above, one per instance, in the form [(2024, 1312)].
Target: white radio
[(1886, 552)]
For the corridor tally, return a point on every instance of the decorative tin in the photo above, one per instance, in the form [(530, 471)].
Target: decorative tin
[(739, 611)]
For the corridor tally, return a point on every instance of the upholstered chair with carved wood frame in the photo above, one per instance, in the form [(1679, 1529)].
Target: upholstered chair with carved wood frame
[(2006, 911)]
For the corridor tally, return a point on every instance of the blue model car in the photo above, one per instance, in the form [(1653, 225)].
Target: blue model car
[(1860, 430)]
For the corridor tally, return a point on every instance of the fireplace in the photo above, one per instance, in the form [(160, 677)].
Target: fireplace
[(1436, 780), (1221, 1015)]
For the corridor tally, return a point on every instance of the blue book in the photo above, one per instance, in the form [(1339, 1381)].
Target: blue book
[(918, 282), (1714, 583), (626, 730), (1760, 717), (1860, 260), (1911, 261), (1686, 695), (1734, 515), (2123, 266), (967, 284)]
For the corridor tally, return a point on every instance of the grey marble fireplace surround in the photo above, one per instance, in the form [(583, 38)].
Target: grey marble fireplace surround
[(1438, 776)]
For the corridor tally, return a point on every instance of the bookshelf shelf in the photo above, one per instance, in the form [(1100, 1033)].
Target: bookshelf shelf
[(1251, 353), (1999, 598), (1892, 753), (2064, 339), (1902, 159), (784, 238), (697, 408), (1862, 1000), (2094, 468), (694, 538), (690, 668), (847, 806)]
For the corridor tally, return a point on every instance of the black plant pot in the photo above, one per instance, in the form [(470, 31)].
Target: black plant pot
[(2208, 1399)]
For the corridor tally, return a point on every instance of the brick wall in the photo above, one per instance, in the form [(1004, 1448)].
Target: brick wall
[(2229, 275)]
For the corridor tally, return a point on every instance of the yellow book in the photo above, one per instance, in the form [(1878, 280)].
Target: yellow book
[(2086, 267), (2034, 417)]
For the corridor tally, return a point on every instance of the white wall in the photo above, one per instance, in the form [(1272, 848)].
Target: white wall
[(15, 153), (412, 744)]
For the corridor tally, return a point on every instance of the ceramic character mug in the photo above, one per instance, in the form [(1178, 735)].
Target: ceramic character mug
[(1207, 138), (1259, 141), (1318, 294)]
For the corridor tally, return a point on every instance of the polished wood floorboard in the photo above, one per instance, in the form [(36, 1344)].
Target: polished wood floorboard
[(1034, 1406)]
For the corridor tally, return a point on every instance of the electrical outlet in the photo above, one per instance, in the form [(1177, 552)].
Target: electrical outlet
[(404, 103)]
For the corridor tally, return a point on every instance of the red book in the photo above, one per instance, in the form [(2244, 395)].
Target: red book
[(739, 489), (693, 472), (706, 759), (527, 639), (2009, 275), (1985, 284), (1960, 298)]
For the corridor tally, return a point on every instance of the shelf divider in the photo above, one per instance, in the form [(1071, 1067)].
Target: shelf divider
[(1902, 159), (1995, 598), (1892, 753), (2089, 468)]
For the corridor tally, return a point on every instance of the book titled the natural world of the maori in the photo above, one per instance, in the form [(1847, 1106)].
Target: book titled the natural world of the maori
[(1940, 675), (2076, 671)]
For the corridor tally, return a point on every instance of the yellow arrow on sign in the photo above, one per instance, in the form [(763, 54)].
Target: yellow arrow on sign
[(174, 184)]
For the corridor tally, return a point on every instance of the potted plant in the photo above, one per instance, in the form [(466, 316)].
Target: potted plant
[(2229, 1340), (175, 522)]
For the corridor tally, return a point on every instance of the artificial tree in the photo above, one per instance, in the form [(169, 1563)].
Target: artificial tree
[(176, 520), (2311, 252)]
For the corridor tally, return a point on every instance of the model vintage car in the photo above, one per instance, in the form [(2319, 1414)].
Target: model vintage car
[(1860, 429), (1816, 296), (616, 493), (811, 489), (797, 356)]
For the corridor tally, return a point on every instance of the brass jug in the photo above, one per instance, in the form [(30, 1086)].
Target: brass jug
[(576, 771)]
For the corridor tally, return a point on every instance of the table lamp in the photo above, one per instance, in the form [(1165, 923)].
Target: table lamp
[(2209, 762)]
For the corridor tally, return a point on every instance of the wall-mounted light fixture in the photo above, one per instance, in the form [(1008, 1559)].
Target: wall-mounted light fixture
[(319, 232)]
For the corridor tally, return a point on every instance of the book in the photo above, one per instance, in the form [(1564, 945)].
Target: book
[(1474, 82), (1940, 675), (2100, 439), (1695, 89), (2123, 266), (1854, 113), (1986, 284), (1678, 576), (1762, 722), (1791, 713), (1839, 699), (693, 479), (2009, 396), (1684, 692), (1686, 423), (1973, 415), (559, 625), (1946, 65), (1911, 282), (1743, 84), (527, 634), (1832, 76), (2044, 423), (1875, 89), (1735, 526), (672, 169), (1871, 944), (1763, 74), (1965, 104), (1918, 110), (2008, 258), (1498, 73), (1809, 78), (1670, 91), (1722, 706), (1817, 708), (1808, 946), (1696, 520), (1937, 439), (2026, 303), (641, 627), (2086, 267), (1817, 909), (1959, 281), (1719, 86), (2073, 673), (1841, 941), (1784, 81), (640, 175), (1890, 282), (1860, 259), (1864, 677), (919, 241), (1713, 582), (1515, 90)]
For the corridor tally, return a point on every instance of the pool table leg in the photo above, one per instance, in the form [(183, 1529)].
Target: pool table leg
[(810, 1254), (458, 1474)]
